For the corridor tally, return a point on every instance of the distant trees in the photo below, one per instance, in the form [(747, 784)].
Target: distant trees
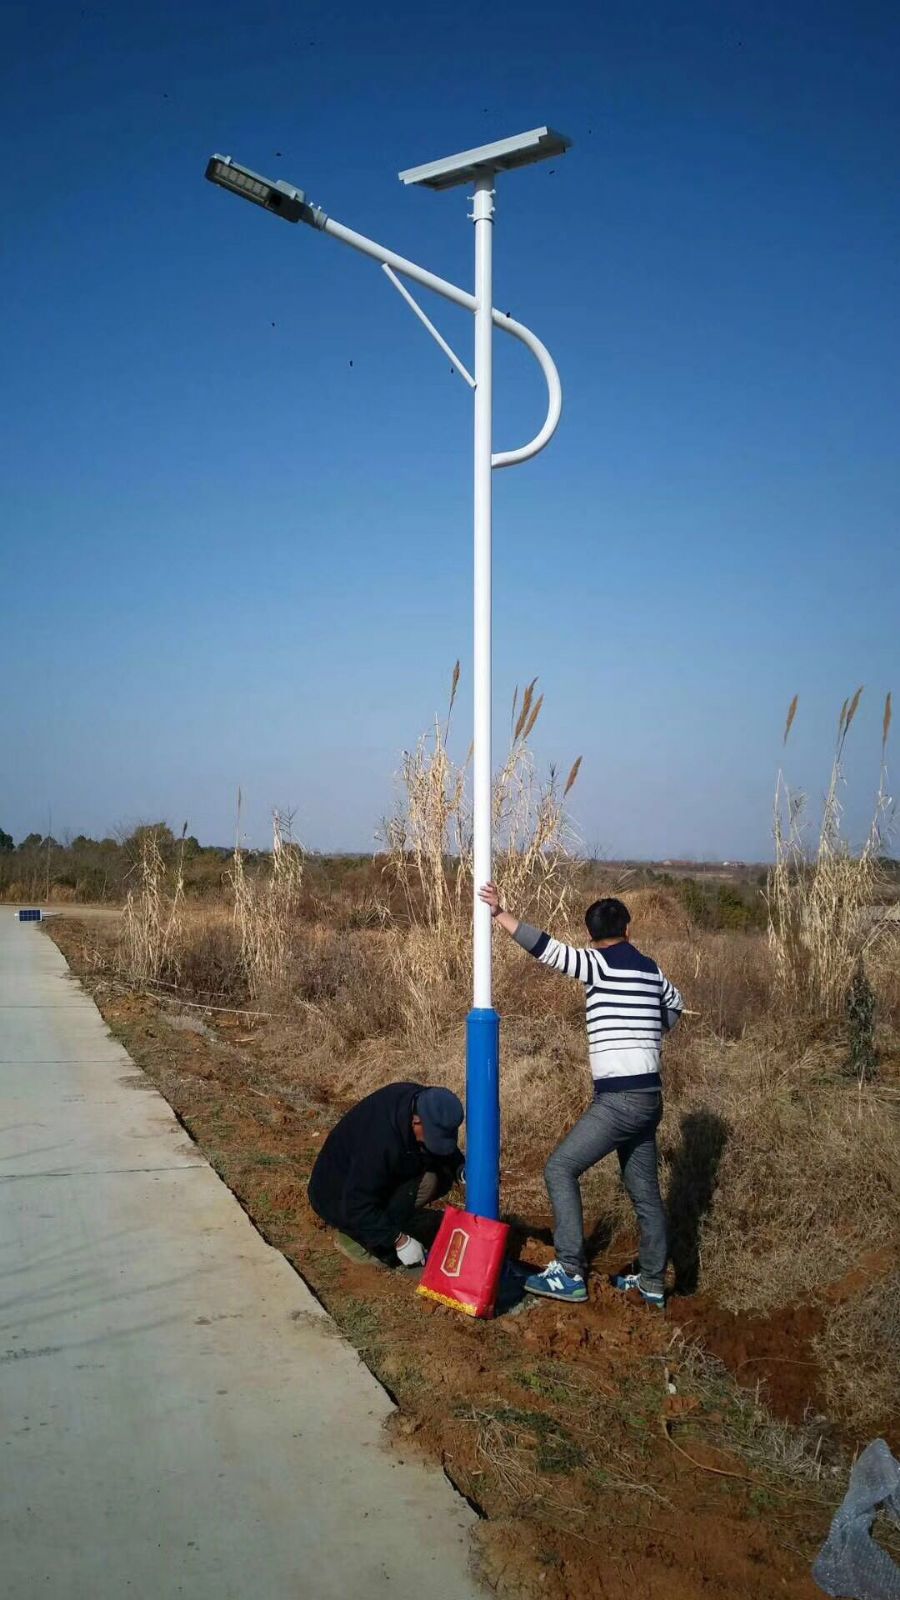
[(97, 871), (738, 907)]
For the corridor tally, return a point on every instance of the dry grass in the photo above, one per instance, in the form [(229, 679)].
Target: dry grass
[(429, 863), (212, 952), (883, 967), (151, 920), (860, 1351), (206, 961), (807, 1175), (820, 926), (266, 908)]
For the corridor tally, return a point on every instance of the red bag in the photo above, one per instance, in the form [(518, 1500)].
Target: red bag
[(465, 1262)]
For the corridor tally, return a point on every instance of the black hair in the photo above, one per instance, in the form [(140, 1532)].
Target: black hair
[(607, 919)]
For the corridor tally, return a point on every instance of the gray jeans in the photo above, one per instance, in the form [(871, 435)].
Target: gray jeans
[(625, 1121)]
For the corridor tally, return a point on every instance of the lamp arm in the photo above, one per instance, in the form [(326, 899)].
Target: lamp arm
[(461, 297)]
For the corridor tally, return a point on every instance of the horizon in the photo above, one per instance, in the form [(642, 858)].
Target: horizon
[(121, 835)]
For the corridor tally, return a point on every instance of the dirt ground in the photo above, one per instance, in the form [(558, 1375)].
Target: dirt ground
[(609, 1456)]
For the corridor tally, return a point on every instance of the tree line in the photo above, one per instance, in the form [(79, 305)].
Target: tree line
[(97, 871)]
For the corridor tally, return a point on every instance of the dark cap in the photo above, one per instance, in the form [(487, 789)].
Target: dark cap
[(442, 1114)]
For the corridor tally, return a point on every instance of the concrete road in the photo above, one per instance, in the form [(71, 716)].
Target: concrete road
[(178, 1416)]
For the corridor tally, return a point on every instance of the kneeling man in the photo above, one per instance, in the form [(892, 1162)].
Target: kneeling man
[(383, 1162)]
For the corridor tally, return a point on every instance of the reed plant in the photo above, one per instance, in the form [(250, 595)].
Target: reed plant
[(154, 905), (429, 860), (820, 901), (265, 907)]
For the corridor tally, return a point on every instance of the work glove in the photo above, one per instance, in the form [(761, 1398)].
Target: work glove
[(411, 1253)]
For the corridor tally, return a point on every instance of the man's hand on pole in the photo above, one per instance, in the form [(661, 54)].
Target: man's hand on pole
[(489, 894)]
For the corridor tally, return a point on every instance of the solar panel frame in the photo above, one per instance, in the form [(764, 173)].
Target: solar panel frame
[(522, 150)]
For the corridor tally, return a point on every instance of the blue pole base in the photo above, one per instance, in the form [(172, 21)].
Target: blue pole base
[(483, 1113)]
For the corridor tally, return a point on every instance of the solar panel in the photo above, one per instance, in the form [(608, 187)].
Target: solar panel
[(30, 915), (502, 156)]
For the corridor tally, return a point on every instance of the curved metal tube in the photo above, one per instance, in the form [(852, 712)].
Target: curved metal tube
[(461, 297), (510, 458)]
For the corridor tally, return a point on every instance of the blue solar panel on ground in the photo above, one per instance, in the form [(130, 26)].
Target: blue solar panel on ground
[(30, 916)]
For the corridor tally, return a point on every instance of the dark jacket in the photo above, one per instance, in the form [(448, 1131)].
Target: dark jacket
[(365, 1159)]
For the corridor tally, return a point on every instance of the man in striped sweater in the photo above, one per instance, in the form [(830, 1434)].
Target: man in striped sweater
[(630, 1005)]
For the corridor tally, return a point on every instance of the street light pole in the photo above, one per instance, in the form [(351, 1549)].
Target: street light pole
[(480, 168), (483, 1023)]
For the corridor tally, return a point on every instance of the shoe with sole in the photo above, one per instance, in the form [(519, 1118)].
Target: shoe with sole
[(632, 1280), (555, 1283), (355, 1252)]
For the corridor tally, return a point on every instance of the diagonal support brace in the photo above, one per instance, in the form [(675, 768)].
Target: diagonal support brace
[(427, 323)]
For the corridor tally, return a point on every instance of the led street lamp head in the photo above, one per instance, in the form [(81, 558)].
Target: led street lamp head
[(272, 194)]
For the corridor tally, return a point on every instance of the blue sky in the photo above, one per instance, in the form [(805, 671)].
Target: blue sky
[(238, 553)]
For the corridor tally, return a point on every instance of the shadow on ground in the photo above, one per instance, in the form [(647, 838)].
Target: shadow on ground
[(693, 1176)]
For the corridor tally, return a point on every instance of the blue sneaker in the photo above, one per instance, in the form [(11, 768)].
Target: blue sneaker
[(555, 1283), (632, 1280)]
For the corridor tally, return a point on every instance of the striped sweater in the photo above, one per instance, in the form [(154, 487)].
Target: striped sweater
[(630, 1005)]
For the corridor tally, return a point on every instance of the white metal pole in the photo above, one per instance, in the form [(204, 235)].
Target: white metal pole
[(483, 1023), (483, 216)]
